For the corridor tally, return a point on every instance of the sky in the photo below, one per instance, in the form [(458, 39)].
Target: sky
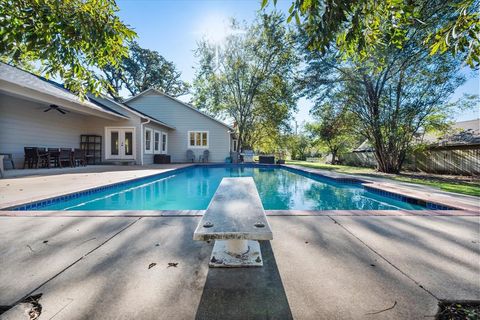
[(173, 28)]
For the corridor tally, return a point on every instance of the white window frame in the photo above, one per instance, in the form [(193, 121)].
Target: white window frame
[(195, 133), (157, 147), (164, 134), (150, 150)]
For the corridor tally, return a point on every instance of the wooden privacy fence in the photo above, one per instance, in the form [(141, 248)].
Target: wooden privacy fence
[(459, 159)]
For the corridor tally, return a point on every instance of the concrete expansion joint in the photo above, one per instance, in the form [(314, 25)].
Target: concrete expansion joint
[(386, 260), (75, 262)]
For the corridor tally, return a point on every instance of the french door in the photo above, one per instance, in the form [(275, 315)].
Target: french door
[(120, 143)]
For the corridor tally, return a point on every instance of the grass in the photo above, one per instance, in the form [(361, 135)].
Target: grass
[(450, 184)]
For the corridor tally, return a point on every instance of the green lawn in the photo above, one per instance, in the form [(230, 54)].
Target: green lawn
[(469, 188)]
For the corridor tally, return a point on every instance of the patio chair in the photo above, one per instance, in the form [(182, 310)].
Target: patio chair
[(34, 158), (190, 156), (65, 155), (79, 158), (54, 154), (8, 157), (234, 156), (205, 156)]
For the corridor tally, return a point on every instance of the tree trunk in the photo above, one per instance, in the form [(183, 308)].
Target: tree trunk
[(387, 163), (334, 156)]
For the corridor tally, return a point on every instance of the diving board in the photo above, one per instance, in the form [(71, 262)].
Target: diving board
[(236, 220)]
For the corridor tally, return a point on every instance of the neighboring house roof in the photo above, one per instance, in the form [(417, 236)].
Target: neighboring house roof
[(132, 110), (364, 147), (464, 133), (176, 100), (21, 78)]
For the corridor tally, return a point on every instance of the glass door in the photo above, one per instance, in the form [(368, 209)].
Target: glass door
[(120, 143)]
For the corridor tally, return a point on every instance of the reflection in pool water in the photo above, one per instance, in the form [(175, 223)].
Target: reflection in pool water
[(193, 188)]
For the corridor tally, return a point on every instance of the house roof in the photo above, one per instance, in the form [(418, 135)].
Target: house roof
[(464, 133), (133, 110), (19, 78), (158, 92)]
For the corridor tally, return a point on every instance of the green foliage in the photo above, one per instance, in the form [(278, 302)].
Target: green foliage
[(249, 79), (70, 38), (143, 69), (361, 27), (298, 145), (393, 92), (333, 128)]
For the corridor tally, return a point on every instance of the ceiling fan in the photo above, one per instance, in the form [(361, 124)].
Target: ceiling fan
[(55, 107)]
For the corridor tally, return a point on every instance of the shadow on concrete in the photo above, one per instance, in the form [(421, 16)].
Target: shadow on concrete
[(245, 293)]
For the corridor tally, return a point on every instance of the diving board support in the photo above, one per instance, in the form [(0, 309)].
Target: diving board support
[(236, 220)]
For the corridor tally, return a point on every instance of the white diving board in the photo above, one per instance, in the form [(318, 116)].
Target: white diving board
[(236, 220)]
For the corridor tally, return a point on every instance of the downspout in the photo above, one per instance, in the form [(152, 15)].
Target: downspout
[(141, 140)]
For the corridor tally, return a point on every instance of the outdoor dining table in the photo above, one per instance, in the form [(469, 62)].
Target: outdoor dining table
[(53, 154)]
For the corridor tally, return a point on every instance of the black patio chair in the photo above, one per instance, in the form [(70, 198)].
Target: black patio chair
[(65, 155), (79, 158), (54, 153), (35, 158)]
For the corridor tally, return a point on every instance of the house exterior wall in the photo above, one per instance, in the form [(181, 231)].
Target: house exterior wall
[(184, 119), (24, 124), (98, 126)]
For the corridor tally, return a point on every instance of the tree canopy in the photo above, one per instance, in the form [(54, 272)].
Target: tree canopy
[(249, 79), (392, 92), (143, 69), (358, 28), (333, 128), (70, 38)]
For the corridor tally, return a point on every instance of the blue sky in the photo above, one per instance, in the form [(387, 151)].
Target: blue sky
[(173, 28)]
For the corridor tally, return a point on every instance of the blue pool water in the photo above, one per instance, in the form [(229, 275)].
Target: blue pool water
[(193, 188)]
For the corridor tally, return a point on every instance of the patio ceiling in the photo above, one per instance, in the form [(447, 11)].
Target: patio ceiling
[(25, 85)]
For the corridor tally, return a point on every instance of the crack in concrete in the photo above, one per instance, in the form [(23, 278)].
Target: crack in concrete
[(385, 259), (76, 261)]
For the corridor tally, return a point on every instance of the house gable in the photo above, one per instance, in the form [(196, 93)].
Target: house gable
[(185, 119)]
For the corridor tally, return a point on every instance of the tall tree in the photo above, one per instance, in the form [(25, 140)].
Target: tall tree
[(334, 128), (360, 27), (393, 92), (143, 69), (70, 38), (249, 78)]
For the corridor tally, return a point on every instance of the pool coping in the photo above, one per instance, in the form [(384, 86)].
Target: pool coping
[(199, 213), (399, 193)]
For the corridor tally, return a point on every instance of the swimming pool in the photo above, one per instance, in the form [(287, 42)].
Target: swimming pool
[(192, 188)]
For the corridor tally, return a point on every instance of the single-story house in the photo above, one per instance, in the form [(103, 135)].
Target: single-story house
[(36, 112)]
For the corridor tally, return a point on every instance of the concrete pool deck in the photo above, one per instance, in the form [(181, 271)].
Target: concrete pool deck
[(317, 267), (392, 264)]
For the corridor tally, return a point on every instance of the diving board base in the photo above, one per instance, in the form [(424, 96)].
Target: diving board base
[(236, 254)]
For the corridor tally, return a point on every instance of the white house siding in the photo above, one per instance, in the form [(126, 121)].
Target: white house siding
[(24, 124), (97, 126), (148, 157), (184, 119)]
